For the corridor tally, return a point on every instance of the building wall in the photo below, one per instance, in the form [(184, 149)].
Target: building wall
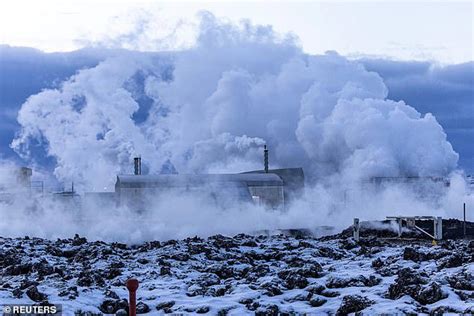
[(141, 199), (270, 196)]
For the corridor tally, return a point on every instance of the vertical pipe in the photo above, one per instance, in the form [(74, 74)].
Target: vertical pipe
[(132, 286), (464, 221), (265, 158), (138, 165)]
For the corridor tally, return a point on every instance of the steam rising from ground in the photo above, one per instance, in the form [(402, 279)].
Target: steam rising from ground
[(210, 108)]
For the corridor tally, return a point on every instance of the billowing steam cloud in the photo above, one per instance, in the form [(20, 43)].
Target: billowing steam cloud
[(210, 108)]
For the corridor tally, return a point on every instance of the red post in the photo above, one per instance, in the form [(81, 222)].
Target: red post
[(132, 286)]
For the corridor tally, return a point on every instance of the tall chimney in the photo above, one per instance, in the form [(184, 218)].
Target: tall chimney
[(138, 165), (265, 158)]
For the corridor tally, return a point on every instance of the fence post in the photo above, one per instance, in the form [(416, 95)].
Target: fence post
[(356, 229), (132, 286), (464, 222), (438, 228)]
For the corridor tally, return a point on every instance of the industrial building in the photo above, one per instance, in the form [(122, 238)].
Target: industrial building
[(424, 188), (270, 188)]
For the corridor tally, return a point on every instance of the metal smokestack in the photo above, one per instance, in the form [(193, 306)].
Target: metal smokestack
[(265, 158), (138, 165)]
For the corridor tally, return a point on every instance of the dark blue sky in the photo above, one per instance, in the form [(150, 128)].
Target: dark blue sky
[(447, 92)]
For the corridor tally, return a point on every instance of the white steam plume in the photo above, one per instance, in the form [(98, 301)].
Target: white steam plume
[(211, 107)]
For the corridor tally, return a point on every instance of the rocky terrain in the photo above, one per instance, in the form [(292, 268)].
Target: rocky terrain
[(242, 275)]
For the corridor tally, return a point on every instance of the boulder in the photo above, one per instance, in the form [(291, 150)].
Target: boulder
[(35, 295), (111, 306), (353, 304), (429, 294)]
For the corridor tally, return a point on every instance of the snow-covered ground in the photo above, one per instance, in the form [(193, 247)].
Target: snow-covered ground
[(242, 275)]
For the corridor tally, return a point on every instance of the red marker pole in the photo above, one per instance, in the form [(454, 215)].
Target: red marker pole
[(132, 286)]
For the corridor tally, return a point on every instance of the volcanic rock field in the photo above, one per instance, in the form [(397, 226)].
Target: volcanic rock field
[(243, 274)]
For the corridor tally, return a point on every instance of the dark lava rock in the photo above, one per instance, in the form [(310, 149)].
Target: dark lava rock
[(408, 283), (19, 269), (111, 294), (195, 290), (321, 290), (224, 311), (377, 263), (257, 271), (465, 295), (462, 281), (430, 294), (361, 281), (71, 292), (180, 256), (110, 306), (207, 279), (223, 271), (246, 301), (412, 254), (353, 304), (17, 293), (294, 280), (268, 310), (327, 293), (217, 291), (88, 277), (26, 283), (165, 270), (300, 297), (35, 295), (112, 273), (330, 253), (153, 245), (142, 308), (165, 305), (43, 268), (118, 245), (121, 312), (220, 241), (249, 243), (442, 310), (271, 288), (9, 258), (348, 243), (455, 260), (316, 302), (203, 310), (253, 306), (197, 248), (77, 241), (411, 283)]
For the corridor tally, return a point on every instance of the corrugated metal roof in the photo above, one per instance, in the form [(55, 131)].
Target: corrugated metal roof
[(183, 180)]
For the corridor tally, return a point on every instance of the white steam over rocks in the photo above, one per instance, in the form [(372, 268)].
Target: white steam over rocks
[(209, 108)]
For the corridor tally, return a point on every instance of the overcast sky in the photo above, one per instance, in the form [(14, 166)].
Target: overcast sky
[(406, 30)]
